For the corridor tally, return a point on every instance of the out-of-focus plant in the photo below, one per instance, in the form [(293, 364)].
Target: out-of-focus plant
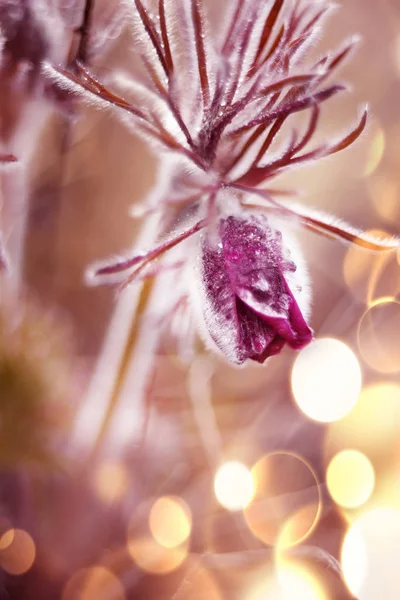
[(32, 32), (36, 386)]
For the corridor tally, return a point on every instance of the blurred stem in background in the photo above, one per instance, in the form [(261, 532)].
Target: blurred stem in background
[(26, 105), (78, 51), (127, 352)]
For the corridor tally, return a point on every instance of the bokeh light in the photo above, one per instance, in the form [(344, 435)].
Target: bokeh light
[(354, 559), (95, 583), (150, 429), (298, 582), (298, 525), (288, 581), (287, 500), (170, 521), (384, 193), (372, 427), (326, 380), (111, 481), (350, 478), (234, 485), (17, 551), (378, 336), (387, 490), (154, 558), (370, 555), (375, 151), (7, 538), (371, 275)]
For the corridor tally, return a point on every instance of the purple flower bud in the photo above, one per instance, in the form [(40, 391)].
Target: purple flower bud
[(248, 288)]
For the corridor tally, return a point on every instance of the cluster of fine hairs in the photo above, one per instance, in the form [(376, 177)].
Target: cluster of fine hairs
[(218, 102), (217, 106)]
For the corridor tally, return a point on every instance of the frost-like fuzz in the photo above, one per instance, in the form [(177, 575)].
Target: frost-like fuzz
[(249, 310), (217, 108)]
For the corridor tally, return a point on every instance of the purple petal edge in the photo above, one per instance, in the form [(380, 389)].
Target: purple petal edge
[(250, 311)]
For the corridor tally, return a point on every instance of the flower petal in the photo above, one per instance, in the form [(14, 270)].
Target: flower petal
[(256, 266), (248, 308), (232, 326)]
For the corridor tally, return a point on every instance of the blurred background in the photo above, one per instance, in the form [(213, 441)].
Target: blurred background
[(211, 482)]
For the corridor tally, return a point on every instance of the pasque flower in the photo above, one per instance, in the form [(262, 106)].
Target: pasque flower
[(250, 309), (217, 109)]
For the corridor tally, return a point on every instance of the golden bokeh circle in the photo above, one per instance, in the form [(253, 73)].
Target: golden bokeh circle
[(384, 193), (94, 583), (326, 380), (7, 538), (110, 481), (288, 580), (375, 150), (298, 582), (154, 558), (371, 275), (371, 426), (233, 485), (287, 501), (170, 521), (370, 554), (378, 336), (350, 478), (17, 551)]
